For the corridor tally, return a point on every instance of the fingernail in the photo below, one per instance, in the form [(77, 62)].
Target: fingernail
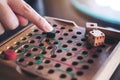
[(48, 27)]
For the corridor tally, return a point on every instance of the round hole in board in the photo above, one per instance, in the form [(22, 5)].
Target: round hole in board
[(83, 39), (28, 54), (51, 71), (57, 31), (47, 61), (64, 45), (25, 46), (41, 44), (19, 51), (30, 34), (65, 34), (59, 51), (37, 58), (57, 65), (23, 38), (32, 41), (54, 25), (74, 49), (73, 78), (74, 36), (63, 59), (60, 38), (62, 28), (38, 37), (53, 56), (30, 63), (84, 53), (70, 30), (78, 44), (90, 61), (69, 69), (99, 50), (55, 42), (35, 49), (63, 76), (47, 40), (36, 30), (69, 54), (21, 60), (69, 41), (74, 63), (85, 67), (40, 67), (94, 56), (49, 47), (78, 32), (79, 57), (44, 52), (79, 73), (18, 43)]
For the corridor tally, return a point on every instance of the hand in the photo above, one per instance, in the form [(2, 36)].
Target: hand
[(17, 12)]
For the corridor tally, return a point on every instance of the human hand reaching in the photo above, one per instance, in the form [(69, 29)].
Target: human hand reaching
[(17, 12)]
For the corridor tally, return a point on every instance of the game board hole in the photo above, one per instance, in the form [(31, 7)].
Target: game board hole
[(64, 45), (40, 67), (74, 63), (28, 54), (30, 34), (69, 69), (79, 73), (57, 31), (95, 56), (36, 30), (49, 47), (19, 51), (44, 52), (103, 46), (78, 44), (30, 63), (35, 49), (85, 53), (69, 41), (53, 56), (74, 79), (63, 59), (51, 71), (54, 25), (18, 43), (32, 41), (69, 54), (21, 60), (26, 46), (85, 67), (90, 61), (63, 76), (37, 58), (65, 34), (41, 44), (24, 38), (59, 51), (79, 57), (62, 28), (70, 30), (47, 61), (47, 40), (74, 49), (74, 36), (60, 38), (38, 37), (99, 50), (55, 42), (78, 32), (57, 65)]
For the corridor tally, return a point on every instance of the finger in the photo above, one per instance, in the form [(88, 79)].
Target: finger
[(1, 29), (25, 10), (22, 20), (7, 16)]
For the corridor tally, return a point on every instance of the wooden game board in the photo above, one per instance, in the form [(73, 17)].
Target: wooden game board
[(65, 57)]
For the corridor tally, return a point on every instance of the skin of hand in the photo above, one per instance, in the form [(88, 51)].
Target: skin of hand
[(17, 12)]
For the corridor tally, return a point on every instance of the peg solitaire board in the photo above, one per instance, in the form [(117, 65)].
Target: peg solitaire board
[(65, 57)]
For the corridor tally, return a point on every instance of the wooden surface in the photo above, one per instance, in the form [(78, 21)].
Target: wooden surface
[(28, 42)]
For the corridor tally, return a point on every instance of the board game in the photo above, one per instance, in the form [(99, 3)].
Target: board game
[(65, 57)]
